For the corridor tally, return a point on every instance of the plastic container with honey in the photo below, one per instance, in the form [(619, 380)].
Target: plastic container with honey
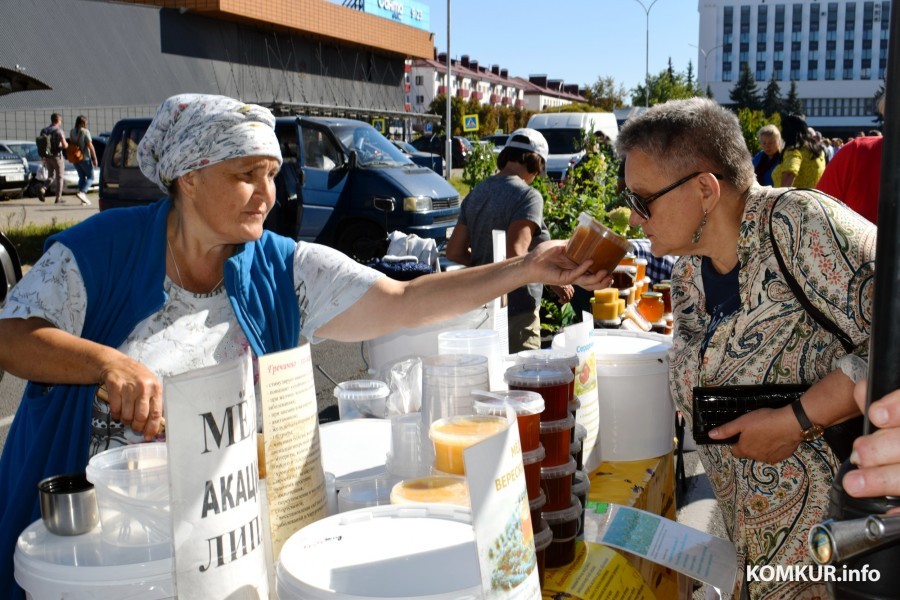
[(543, 537), (445, 489), (576, 450), (531, 461), (555, 438), (574, 406), (651, 306), (564, 523), (593, 240), (552, 382), (536, 506), (454, 434), (624, 277), (527, 405), (581, 485), (628, 259), (641, 264), (556, 482)]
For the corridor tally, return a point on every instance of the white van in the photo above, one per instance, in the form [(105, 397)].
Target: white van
[(562, 131)]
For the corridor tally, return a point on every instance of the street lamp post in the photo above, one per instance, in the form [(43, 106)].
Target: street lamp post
[(647, 52), (448, 130), (706, 54)]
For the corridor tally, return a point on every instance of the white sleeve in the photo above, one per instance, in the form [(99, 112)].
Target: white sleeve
[(53, 290), (327, 283)]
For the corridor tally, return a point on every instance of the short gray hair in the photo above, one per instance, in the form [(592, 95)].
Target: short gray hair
[(690, 135)]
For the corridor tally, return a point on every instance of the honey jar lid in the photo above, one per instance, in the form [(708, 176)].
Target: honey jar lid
[(556, 517), (549, 356), (534, 456), (524, 402), (543, 536), (539, 502), (555, 472), (538, 375), (557, 426), (662, 286), (651, 295)]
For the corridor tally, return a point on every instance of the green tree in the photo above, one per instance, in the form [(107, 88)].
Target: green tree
[(709, 92), (605, 94), (438, 106), (745, 93), (793, 104), (772, 100), (667, 85)]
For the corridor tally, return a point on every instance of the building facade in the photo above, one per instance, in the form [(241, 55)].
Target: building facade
[(836, 51), (306, 56)]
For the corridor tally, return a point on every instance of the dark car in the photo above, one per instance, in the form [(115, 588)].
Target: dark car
[(424, 159), (498, 140), (460, 148), (342, 184)]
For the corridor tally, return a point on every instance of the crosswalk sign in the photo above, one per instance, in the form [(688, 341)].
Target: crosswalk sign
[(470, 122), (378, 124)]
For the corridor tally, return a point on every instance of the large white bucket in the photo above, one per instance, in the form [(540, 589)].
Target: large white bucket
[(83, 567), (422, 552), (637, 415)]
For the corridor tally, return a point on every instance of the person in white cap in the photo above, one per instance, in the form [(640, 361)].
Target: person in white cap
[(506, 201)]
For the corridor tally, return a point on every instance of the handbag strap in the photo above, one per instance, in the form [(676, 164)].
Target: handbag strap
[(814, 312)]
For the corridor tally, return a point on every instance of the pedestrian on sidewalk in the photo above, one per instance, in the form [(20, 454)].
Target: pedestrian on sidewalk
[(81, 137), (55, 162)]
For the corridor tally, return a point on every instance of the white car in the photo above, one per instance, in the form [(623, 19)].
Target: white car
[(28, 151)]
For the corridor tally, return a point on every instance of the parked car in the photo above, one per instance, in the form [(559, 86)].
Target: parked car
[(460, 148), (563, 130), (498, 140), (342, 184), (10, 270), (423, 159), (28, 151)]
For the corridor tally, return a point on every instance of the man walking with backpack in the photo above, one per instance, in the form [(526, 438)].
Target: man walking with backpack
[(51, 145)]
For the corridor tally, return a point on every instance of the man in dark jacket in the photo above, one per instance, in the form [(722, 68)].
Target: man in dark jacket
[(55, 163)]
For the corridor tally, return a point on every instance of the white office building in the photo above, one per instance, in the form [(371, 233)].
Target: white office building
[(835, 51)]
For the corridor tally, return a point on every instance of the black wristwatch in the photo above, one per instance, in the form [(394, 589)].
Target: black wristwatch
[(809, 431)]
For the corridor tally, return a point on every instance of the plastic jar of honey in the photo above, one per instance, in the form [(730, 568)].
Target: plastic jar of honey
[(531, 461), (594, 240), (552, 382), (651, 306), (556, 482), (527, 405), (535, 507), (543, 537), (555, 438), (454, 434), (564, 523), (444, 489)]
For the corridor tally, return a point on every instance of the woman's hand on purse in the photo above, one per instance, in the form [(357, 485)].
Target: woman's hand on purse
[(877, 455), (769, 435)]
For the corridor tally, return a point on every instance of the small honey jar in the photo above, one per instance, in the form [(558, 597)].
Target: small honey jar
[(651, 306)]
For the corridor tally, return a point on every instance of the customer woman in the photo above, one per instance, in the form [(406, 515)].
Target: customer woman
[(691, 187), (130, 296), (769, 157), (81, 137), (803, 158)]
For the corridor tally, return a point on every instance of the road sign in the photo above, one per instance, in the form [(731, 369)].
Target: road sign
[(429, 127), (470, 122), (498, 132), (379, 125)]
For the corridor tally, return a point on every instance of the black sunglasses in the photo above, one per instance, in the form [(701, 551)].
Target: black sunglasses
[(641, 205)]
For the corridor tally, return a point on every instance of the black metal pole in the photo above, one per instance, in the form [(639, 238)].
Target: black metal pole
[(884, 345)]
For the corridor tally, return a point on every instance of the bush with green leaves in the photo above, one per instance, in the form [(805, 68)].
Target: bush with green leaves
[(481, 165)]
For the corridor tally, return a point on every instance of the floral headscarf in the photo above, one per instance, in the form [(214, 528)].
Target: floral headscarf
[(192, 131)]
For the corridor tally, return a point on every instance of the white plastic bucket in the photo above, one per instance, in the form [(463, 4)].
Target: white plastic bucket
[(402, 552), (132, 487), (83, 567), (355, 450), (637, 415)]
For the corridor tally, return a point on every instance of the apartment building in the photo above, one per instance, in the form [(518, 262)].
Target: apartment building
[(836, 51)]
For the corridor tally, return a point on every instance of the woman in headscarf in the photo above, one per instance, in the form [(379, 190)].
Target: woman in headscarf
[(769, 157), (130, 296), (692, 189), (803, 158)]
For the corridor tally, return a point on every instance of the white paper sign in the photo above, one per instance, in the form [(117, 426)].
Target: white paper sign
[(704, 557), (501, 516), (578, 340), (213, 473)]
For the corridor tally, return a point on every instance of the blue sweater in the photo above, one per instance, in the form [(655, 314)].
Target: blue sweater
[(121, 257)]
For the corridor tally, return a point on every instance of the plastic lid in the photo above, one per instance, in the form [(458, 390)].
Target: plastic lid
[(629, 346), (662, 286), (524, 402), (538, 502), (630, 269), (466, 337), (362, 389), (559, 471), (582, 483), (625, 292), (534, 456), (533, 376), (575, 447), (555, 517), (564, 357), (447, 489), (557, 426), (651, 295), (640, 261), (580, 431), (574, 405), (543, 537), (608, 323)]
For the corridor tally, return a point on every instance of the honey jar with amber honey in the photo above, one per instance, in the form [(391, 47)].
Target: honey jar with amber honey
[(651, 306), (593, 240)]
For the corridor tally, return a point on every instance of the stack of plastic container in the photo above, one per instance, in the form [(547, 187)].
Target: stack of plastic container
[(484, 342)]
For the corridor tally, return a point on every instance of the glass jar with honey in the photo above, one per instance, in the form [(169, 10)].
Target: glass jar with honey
[(651, 306)]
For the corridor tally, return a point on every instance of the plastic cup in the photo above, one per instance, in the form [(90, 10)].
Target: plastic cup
[(453, 435), (592, 239), (375, 491), (362, 398), (484, 342), (553, 383), (443, 489), (557, 485), (527, 405), (404, 460), (531, 461), (447, 383), (555, 438)]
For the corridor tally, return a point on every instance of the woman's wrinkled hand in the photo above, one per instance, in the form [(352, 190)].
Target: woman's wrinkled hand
[(877, 455), (549, 265), (767, 434), (134, 395)]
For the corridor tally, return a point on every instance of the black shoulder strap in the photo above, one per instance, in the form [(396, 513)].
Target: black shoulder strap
[(814, 312)]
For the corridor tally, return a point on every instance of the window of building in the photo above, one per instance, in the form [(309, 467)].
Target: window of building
[(760, 46), (743, 57), (760, 74), (795, 55), (865, 73), (885, 16), (795, 74), (726, 58), (812, 74), (777, 74), (847, 74), (814, 21), (419, 80), (829, 74), (762, 18), (778, 56), (813, 55), (420, 99), (849, 35), (726, 74), (813, 46)]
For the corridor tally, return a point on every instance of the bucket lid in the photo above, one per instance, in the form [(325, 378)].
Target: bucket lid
[(355, 449), (572, 512), (362, 389), (566, 424), (629, 346), (543, 536), (558, 471), (424, 551), (548, 355), (530, 375), (524, 402)]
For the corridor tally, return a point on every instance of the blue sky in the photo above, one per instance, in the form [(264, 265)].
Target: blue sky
[(573, 40)]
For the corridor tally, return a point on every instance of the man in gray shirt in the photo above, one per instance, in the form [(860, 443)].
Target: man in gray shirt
[(506, 201)]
